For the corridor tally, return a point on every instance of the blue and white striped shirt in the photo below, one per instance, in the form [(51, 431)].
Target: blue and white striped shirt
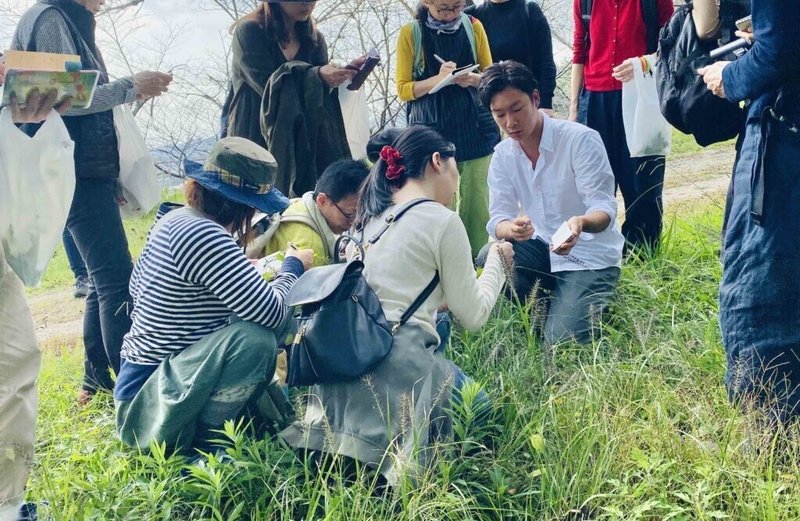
[(188, 281)]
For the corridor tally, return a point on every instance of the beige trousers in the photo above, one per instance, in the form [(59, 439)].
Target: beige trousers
[(19, 368)]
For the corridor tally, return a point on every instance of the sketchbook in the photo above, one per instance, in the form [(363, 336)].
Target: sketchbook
[(451, 78)]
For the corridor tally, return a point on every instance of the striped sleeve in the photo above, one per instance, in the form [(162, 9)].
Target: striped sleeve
[(206, 255)]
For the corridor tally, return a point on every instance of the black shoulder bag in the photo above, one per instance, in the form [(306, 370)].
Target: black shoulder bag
[(342, 331)]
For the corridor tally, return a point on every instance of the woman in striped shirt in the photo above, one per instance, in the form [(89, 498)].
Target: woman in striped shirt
[(186, 366)]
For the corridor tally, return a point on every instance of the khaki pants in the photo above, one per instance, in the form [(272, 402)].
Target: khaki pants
[(19, 368), (473, 200)]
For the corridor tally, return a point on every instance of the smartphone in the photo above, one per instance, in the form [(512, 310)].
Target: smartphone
[(745, 24), (373, 60)]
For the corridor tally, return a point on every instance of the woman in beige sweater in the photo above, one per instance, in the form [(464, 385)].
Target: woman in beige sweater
[(388, 418)]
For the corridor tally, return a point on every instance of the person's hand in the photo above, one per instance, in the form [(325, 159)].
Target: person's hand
[(624, 71), (506, 251), (357, 63), (573, 112), (521, 229), (445, 69), (712, 76), (747, 35), (333, 75), (149, 84), (37, 107), (472, 79), (576, 227), (304, 256)]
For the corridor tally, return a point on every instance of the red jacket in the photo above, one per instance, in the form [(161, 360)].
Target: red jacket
[(618, 32)]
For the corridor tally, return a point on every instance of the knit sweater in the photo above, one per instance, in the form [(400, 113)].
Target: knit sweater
[(430, 238)]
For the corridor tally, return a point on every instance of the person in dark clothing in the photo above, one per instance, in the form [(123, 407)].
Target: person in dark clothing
[(428, 49), (274, 34), (618, 31), (760, 288), (528, 43), (68, 27), (76, 265)]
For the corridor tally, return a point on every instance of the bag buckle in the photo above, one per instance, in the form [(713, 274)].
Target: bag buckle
[(791, 125), (395, 328)]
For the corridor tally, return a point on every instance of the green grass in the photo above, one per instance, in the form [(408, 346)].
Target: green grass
[(684, 144), (58, 274), (636, 426)]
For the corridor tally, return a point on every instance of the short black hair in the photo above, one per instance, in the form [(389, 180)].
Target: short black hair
[(341, 179), (502, 75)]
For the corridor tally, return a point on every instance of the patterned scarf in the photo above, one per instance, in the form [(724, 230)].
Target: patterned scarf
[(443, 27)]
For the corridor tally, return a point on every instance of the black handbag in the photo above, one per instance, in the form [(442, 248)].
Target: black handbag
[(342, 330)]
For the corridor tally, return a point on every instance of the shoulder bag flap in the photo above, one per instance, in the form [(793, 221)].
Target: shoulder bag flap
[(317, 284)]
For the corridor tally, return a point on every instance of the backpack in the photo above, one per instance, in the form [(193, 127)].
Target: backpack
[(685, 100), (264, 228), (418, 69), (342, 331), (649, 14)]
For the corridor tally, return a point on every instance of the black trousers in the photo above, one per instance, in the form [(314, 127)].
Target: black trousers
[(95, 224), (640, 179)]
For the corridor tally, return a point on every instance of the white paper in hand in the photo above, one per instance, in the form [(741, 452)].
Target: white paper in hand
[(451, 78), (562, 235)]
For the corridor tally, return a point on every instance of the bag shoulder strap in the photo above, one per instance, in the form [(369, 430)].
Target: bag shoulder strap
[(302, 219), (418, 69), (419, 301), (466, 21), (394, 217), (650, 15), (586, 18)]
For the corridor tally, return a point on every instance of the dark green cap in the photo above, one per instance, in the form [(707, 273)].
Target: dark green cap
[(243, 164)]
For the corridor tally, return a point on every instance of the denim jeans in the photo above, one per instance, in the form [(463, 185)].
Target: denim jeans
[(576, 298), (640, 179), (760, 290), (76, 264), (95, 224)]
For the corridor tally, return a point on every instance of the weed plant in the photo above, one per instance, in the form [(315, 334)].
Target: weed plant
[(635, 426)]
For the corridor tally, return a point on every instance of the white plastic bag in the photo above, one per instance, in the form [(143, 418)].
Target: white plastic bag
[(646, 130), (37, 182), (355, 114), (138, 175)]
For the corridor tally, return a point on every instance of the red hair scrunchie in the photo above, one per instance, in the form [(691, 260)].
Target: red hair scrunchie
[(393, 158)]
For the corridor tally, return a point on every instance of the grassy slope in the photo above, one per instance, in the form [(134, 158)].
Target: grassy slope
[(636, 426)]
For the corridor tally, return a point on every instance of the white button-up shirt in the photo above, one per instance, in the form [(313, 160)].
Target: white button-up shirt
[(572, 177)]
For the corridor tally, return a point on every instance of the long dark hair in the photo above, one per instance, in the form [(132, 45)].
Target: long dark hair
[(220, 209), (416, 145), (269, 15)]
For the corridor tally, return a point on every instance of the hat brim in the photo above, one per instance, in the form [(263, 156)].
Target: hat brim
[(271, 202)]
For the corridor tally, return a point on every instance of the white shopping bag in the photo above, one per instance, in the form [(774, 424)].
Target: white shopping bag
[(646, 130), (138, 175), (37, 182), (355, 114)]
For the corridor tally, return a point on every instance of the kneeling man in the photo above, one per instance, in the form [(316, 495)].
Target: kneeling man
[(550, 180)]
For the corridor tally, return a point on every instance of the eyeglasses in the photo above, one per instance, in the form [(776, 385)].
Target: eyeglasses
[(450, 10), (349, 216)]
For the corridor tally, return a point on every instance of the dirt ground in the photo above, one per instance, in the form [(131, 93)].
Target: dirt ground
[(59, 316)]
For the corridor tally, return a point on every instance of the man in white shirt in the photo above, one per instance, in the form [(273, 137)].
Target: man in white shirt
[(546, 174)]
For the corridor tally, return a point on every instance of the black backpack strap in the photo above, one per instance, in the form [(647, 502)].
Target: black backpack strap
[(419, 301), (586, 18), (650, 15), (394, 217)]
